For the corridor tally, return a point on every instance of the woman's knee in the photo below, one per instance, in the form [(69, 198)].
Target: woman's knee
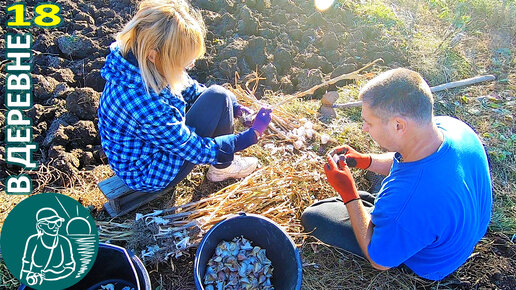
[(219, 94)]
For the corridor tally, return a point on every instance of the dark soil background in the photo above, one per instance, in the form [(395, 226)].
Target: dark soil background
[(289, 43)]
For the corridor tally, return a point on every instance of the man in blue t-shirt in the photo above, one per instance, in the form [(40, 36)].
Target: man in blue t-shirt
[(434, 204)]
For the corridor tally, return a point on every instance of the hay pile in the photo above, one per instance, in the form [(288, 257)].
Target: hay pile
[(279, 190)]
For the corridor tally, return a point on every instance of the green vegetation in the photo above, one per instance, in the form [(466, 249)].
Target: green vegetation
[(474, 14), (449, 40), (378, 13)]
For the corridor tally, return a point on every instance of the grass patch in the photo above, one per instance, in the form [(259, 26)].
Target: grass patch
[(475, 14), (376, 12), (455, 65), (504, 213)]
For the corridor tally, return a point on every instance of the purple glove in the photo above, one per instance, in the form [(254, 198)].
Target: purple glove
[(262, 120), (240, 110)]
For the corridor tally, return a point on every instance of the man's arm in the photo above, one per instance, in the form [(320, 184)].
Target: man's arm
[(381, 163), (362, 227), (344, 183)]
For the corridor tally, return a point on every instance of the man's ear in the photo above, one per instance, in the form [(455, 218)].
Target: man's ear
[(152, 56), (400, 125)]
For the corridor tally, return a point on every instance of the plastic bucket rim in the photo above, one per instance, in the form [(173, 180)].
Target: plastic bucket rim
[(198, 279), (127, 256), (138, 264)]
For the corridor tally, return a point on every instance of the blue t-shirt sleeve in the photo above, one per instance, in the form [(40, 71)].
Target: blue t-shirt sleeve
[(391, 245)]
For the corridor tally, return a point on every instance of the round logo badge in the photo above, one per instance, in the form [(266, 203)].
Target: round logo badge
[(49, 241)]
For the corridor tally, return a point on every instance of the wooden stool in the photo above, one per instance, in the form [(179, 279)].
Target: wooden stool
[(123, 199)]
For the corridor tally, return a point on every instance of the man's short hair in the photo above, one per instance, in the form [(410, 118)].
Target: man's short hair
[(399, 92)]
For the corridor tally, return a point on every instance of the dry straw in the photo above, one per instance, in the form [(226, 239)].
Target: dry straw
[(290, 180)]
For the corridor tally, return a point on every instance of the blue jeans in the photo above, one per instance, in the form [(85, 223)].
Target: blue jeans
[(328, 220), (211, 115)]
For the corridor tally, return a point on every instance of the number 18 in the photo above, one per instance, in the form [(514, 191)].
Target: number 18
[(47, 15)]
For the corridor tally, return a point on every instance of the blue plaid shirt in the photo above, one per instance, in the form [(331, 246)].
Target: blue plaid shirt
[(144, 135)]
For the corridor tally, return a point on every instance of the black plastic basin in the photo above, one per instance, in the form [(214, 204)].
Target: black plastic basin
[(262, 232)]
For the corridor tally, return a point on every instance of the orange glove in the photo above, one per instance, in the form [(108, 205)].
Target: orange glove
[(353, 158), (341, 180)]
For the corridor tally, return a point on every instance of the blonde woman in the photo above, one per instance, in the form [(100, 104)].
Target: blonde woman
[(155, 122)]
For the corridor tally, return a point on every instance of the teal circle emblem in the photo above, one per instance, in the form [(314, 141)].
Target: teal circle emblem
[(49, 241)]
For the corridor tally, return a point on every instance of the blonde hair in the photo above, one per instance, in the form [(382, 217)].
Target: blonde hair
[(174, 30)]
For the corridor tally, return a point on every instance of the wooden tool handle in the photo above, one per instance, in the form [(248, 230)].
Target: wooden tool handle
[(466, 82), (451, 85)]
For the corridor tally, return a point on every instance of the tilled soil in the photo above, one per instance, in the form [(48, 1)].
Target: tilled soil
[(289, 43)]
